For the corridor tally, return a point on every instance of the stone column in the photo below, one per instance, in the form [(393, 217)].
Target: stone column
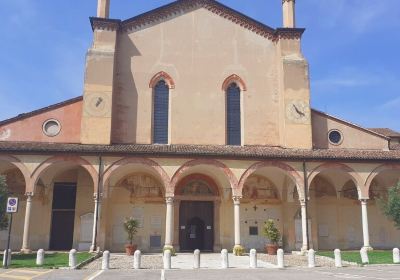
[(169, 223), (304, 225), (236, 211), (364, 214), (25, 239), (96, 218)]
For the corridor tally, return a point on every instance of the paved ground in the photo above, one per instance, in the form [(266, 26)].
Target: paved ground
[(365, 273)]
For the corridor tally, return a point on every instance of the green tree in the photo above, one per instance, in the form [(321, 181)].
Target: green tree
[(391, 205), (3, 203)]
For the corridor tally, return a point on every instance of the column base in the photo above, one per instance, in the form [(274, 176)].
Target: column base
[(26, 251), (304, 250), (94, 250), (368, 248)]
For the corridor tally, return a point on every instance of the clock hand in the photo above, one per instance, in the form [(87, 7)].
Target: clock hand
[(298, 111)]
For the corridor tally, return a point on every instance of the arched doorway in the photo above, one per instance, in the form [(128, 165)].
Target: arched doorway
[(197, 195)]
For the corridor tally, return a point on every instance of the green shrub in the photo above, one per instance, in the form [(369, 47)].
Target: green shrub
[(131, 227), (271, 232), (238, 250), (391, 205)]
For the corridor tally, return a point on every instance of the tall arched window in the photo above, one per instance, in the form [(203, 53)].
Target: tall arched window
[(233, 126), (160, 113)]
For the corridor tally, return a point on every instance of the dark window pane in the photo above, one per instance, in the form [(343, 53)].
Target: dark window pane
[(233, 115), (160, 119), (253, 230), (64, 196)]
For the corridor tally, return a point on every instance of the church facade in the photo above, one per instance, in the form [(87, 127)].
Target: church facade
[(196, 120)]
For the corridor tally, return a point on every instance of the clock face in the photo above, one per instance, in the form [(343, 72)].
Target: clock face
[(298, 111), (97, 104)]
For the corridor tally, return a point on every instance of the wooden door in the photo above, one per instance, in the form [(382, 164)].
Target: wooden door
[(63, 216), (196, 225)]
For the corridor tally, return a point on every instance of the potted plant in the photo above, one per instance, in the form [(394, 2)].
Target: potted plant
[(131, 227), (272, 233)]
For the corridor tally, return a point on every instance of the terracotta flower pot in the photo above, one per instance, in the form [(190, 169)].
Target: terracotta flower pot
[(271, 249), (130, 249)]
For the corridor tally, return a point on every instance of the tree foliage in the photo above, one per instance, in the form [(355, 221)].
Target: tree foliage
[(391, 205), (271, 232), (131, 227), (3, 203)]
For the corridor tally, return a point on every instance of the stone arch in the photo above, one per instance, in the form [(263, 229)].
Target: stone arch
[(379, 169), (197, 176), (163, 176), (162, 76), (287, 169), (44, 166), (234, 79), (180, 173), (355, 177), (20, 166)]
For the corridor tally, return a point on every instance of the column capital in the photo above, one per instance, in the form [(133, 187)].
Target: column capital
[(29, 194), (364, 200), (97, 196), (236, 199), (169, 199)]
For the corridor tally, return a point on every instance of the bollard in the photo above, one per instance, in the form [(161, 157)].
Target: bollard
[(167, 259), (196, 261), (338, 258), (40, 257), (72, 258), (364, 256), (280, 256), (311, 258), (137, 259), (253, 258), (105, 262), (9, 257), (396, 255), (224, 259)]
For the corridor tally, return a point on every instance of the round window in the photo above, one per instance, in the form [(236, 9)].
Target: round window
[(51, 128), (335, 137)]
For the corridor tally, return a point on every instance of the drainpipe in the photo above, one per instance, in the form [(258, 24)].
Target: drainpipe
[(305, 174), (97, 200)]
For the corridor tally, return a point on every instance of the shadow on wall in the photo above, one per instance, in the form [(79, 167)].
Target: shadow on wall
[(125, 97), (319, 131)]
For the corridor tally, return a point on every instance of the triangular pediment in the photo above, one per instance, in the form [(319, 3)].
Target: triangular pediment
[(181, 7)]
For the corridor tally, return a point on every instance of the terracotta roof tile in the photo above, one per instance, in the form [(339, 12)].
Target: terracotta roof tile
[(386, 131), (235, 152)]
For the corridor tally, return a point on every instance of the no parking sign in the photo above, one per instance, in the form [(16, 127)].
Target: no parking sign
[(12, 205)]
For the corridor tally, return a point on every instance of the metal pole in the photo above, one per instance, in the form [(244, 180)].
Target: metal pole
[(99, 184), (8, 242), (306, 200)]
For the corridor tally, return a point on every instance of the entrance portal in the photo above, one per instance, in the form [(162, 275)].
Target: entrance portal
[(63, 216), (196, 224)]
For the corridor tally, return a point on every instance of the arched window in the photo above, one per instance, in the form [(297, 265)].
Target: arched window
[(160, 113), (233, 126)]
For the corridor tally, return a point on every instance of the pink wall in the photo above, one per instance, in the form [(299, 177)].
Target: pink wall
[(30, 128)]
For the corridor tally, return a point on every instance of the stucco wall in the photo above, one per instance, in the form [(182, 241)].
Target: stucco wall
[(353, 138), (31, 128), (199, 50)]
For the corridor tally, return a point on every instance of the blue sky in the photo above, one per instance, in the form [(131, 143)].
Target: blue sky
[(353, 47)]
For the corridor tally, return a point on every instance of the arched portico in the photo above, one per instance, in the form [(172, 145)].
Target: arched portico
[(63, 188), (335, 189), (134, 187), (272, 190), (383, 233)]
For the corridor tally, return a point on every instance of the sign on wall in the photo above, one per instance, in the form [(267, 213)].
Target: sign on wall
[(12, 205)]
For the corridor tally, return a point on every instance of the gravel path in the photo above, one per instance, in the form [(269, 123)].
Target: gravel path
[(294, 260), (121, 261)]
